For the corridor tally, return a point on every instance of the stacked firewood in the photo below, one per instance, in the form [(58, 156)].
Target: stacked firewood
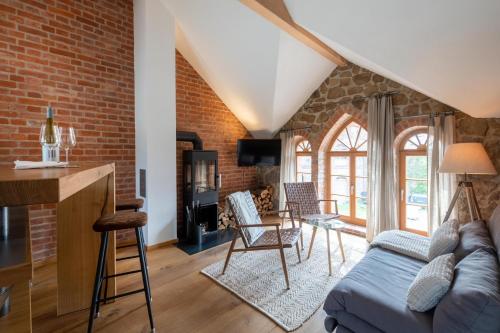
[(263, 199), (226, 217)]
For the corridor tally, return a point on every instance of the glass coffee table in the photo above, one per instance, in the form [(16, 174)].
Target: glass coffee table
[(327, 224)]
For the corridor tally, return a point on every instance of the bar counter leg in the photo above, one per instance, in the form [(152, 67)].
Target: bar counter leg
[(78, 244)]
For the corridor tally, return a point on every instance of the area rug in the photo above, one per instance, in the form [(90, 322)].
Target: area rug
[(257, 278)]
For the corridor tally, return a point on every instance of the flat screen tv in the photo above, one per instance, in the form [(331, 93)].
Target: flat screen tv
[(259, 152)]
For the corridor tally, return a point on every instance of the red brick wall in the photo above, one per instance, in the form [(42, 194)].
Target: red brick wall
[(200, 110), (77, 56)]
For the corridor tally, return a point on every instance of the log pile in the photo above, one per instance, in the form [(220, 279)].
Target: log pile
[(263, 199)]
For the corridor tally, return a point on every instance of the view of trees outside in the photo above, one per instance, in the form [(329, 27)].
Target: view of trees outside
[(304, 168), (416, 192)]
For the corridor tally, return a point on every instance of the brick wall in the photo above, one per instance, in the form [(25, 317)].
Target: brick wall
[(200, 110), (77, 56)]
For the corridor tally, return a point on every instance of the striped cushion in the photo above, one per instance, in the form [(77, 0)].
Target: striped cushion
[(431, 283)]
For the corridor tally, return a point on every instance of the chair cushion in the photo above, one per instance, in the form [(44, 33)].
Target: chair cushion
[(473, 236), (289, 237), (120, 220), (246, 213), (494, 228), (444, 240), (127, 204), (431, 283), (473, 303)]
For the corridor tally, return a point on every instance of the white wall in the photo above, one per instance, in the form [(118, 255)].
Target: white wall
[(154, 61)]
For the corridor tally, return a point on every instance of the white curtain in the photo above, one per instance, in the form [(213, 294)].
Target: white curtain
[(287, 170), (441, 185), (382, 198)]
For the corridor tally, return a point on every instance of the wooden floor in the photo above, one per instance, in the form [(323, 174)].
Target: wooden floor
[(183, 300)]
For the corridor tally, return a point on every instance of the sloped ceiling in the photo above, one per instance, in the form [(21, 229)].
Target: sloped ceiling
[(262, 74), (447, 49)]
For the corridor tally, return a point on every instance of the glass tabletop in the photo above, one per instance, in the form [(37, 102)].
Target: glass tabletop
[(325, 223)]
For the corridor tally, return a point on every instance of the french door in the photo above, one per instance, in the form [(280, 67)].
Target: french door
[(349, 185)]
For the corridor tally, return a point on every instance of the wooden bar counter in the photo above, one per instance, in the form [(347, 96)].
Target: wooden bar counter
[(82, 195)]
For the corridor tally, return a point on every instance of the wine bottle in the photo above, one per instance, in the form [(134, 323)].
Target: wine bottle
[(50, 142), (50, 135)]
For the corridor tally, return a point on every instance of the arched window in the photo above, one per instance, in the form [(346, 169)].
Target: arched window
[(413, 182), (304, 161), (347, 172)]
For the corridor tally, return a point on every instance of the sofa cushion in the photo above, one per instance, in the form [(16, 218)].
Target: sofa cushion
[(472, 304), (375, 291), (473, 236), (431, 283), (444, 240), (494, 228)]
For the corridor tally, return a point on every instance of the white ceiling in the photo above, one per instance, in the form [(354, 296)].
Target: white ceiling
[(447, 49), (262, 74)]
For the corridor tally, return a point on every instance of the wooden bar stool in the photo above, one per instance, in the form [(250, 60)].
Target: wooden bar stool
[(129, 204), (119, 221)]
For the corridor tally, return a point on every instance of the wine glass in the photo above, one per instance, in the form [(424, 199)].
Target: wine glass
[(50, 141), (68, 139)]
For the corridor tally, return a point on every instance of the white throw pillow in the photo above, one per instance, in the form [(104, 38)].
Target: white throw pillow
[(444, 240), (431, 283)]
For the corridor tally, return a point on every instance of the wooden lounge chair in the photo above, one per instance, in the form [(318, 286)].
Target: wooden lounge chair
[(302, 200), (253, 233)]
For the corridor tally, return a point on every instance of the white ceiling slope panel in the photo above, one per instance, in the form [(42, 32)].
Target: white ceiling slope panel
[(260, 73), (447, 49)]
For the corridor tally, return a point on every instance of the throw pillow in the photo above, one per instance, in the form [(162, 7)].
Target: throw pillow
[(431, 283), (473, 302), (444, 240), (473, 236)]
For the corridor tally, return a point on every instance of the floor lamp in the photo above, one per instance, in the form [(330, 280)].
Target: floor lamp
[(466, 159)]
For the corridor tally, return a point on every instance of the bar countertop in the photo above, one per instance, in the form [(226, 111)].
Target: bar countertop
[(50, 185)]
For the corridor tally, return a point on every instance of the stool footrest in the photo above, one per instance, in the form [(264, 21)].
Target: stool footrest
[(121, 274), (127, 258), (128, 293)]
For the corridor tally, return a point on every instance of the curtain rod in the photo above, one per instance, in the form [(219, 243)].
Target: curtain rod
[(430, 115), (362, 98)]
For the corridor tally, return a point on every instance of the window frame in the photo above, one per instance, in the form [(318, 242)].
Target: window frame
[(302, 153), (403, 153), (352, 154)]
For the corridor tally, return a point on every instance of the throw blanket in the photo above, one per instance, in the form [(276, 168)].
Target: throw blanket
[(407, 243)]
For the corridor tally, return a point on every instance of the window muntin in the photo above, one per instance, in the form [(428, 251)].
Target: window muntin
[(303, 161), (414, 183), (352, 137), (348, 172)]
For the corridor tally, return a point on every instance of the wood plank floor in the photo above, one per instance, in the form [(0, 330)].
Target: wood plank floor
[(183, 299)]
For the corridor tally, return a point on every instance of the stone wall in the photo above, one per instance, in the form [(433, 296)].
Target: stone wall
[(486, 131), (342, 97)]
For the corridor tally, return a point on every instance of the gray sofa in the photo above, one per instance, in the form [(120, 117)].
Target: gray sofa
[(372, 296)]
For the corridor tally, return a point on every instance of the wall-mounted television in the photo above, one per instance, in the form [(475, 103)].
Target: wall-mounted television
[(259, 152)]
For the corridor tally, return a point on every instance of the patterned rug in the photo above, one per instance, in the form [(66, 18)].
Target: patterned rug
[(257, 278)]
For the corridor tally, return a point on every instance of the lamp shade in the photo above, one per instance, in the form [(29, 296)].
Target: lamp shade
[(469, 158)]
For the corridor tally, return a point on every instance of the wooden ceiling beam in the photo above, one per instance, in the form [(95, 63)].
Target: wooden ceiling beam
[(276, 12)]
